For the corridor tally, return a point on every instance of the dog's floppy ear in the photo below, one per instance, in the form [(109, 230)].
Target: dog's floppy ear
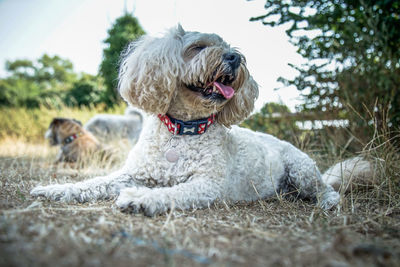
[(149, 71), (240, 105), (57, 121)]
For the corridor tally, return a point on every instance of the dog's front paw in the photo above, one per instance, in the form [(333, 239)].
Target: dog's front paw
[(63, 192), (329, 200), (141, 200)]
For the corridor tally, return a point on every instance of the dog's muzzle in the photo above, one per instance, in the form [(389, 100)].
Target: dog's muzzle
[(219, 87)]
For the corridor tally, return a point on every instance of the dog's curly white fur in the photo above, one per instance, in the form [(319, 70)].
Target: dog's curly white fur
[(166, 75)]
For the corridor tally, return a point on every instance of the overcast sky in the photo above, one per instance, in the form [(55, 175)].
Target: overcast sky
[(75, 30)]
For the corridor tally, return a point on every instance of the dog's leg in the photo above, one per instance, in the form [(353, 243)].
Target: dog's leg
[(59, 157), (197, 193), (303, 174), (102, 187)]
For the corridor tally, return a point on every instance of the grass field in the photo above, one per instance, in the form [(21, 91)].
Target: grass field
[(362, 231)]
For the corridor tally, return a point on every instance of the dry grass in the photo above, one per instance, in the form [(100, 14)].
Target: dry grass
[(364, 231), (31, 124)]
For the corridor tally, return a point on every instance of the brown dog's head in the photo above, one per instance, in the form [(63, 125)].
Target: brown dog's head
[(189, 75), (60, 128)]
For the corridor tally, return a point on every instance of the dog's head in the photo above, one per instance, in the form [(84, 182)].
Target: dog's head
[(61, 128), (188, 75)]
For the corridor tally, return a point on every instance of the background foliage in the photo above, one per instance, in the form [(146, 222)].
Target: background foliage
[(270, 120), (52, 81), (31, 83), (125, 30), (352, 49)]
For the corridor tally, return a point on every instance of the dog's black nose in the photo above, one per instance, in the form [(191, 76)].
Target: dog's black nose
[(232, 59)]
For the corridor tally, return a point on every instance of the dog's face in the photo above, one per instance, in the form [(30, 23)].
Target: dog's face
[(188, 75), (60, 128)]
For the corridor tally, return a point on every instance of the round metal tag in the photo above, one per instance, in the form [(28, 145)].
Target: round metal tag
[(171, 155)]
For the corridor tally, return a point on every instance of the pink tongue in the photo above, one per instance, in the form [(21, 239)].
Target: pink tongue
[(225, 90)]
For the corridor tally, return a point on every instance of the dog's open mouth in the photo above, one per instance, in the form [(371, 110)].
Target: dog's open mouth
[(220, 89)]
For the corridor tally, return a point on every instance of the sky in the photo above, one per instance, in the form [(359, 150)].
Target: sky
[(76, 29)]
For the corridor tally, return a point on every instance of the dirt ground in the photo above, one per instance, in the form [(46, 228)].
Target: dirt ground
[(362, 231)]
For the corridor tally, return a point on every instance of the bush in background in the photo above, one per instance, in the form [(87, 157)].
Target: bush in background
[(50, 81), (88, 91), (273, 119)]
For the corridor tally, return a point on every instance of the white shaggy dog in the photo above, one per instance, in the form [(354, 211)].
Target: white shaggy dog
[(189, 153), (108, 127)]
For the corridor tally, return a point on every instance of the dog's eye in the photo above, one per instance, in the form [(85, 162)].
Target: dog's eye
[(194, 50), (198, 48)]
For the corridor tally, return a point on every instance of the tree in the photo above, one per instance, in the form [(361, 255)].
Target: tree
[(31, 83), (48, 80), (353, 53), (87, 91), (49, 71), (124, 30), (20, 92)]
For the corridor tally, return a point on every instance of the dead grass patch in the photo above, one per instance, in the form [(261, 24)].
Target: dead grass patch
[(364, 231)]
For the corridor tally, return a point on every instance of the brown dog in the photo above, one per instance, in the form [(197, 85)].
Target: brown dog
[(76, 143)]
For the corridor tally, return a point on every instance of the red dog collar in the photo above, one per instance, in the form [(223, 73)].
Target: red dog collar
[(179, 127), (71, 138)]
